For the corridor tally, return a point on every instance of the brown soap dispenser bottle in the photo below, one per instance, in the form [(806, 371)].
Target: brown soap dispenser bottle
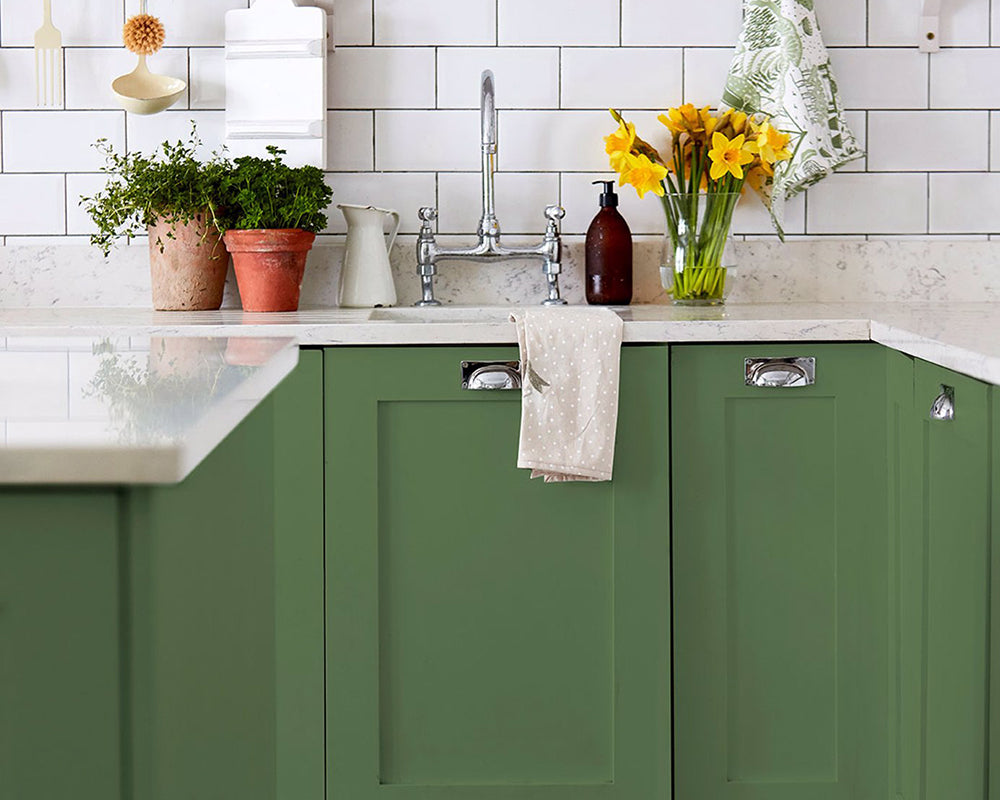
[(608, 258)]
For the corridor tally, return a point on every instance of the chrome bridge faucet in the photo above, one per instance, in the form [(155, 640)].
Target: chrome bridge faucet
[(549, 252)]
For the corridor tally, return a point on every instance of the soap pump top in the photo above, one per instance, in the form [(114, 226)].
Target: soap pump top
[(608, 197)]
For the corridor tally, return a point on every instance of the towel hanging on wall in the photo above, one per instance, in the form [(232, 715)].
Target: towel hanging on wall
[(782, 69)]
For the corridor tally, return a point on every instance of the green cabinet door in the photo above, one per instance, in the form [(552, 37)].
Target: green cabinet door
[(60, 709), (225, 613), (939, 584), (490, 636), (780, 552)]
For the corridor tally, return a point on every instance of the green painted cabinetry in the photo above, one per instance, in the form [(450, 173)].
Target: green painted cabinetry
[(832, 579), (780, 558), (166, 643), (61, 708), (489, 636), (939, 584)]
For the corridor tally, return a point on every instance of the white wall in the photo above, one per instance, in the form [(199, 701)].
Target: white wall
[(404, 86)]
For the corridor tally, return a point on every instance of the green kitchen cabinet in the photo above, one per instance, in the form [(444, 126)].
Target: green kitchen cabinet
[(939, 584), (831, 552), (61, 710), (166, 642), (490, 636), (780, 557)]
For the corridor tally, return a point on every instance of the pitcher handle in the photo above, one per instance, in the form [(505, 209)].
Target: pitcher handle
[(395, 230)]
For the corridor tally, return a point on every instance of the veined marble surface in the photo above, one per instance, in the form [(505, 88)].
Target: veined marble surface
[(964, 337), (127, 409), (815, 270)]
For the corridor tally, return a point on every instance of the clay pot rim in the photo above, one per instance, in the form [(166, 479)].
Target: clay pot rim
[(264, 240)]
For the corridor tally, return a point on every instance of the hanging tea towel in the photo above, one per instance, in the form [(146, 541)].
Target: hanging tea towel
[(569, 395), (782, 69)]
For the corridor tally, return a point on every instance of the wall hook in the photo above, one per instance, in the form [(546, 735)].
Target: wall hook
[(930, 23)]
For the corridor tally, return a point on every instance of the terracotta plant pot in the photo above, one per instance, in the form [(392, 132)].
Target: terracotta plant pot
[(188, 266), (269, 266)]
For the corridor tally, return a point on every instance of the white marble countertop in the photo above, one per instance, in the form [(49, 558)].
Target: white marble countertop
[(128, 409), (89, 395), (960, 336)]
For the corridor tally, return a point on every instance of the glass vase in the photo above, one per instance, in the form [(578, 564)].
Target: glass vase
[(697, 262)]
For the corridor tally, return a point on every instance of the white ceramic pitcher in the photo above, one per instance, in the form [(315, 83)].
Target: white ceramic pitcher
[(366, 277)]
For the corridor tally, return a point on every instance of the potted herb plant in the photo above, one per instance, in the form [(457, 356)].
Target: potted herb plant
[(272, 215), (172, 196)]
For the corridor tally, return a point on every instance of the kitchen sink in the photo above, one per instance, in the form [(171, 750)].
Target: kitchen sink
[(462, 315)]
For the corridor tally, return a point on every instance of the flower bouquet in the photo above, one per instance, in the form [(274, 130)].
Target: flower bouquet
[(712, 157)]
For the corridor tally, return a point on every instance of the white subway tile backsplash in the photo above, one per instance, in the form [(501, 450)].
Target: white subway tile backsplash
[(17, 78), (965, 78), (404, 96), (32, 204), (705, 72), (207, 86), (353, 22), (381, 77), (427, 140), (753, 219), (435, 22), (91, 70), (554, 140), (202, 23), (886, 78), (592, 77), (995, 141), (83, 24), (893, 203), (965, 203), (404, 192), (913, 141), (580, 199), (146, 134), (78, 222), (558, 22), (843, 22), (350, 141), (681, 23), (895, 22), (520, 201), (526, 77), (58, 141)]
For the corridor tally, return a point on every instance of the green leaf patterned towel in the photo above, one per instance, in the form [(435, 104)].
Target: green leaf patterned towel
[(782, 69)]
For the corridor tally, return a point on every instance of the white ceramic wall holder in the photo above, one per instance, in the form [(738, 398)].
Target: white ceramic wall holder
[(930, 27)]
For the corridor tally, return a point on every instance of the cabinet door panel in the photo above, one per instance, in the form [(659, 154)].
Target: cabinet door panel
[(941, 595), (59, 645), (489, 634), (779, 558)]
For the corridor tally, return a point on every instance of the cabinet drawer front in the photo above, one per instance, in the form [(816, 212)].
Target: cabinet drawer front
[(490, 634)]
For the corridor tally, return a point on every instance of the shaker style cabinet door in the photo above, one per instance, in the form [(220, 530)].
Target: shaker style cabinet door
[(491, 637), (780, 556), (939, 582), (60, 708)]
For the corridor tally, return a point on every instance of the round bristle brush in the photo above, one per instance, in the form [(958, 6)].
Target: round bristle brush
[(143, 34)]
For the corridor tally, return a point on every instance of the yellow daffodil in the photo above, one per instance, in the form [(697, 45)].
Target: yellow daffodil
[(619, 144), (644, 175), (728, 156), (772, 144), (697, 123), (638, 146)]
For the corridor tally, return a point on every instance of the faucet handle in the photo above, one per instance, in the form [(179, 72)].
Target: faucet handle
[(427, 215), (554, 213)]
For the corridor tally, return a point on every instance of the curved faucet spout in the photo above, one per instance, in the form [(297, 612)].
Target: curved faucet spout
[(487, 109)]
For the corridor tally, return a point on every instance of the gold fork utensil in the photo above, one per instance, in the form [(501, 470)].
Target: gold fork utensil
[(48, 61)]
